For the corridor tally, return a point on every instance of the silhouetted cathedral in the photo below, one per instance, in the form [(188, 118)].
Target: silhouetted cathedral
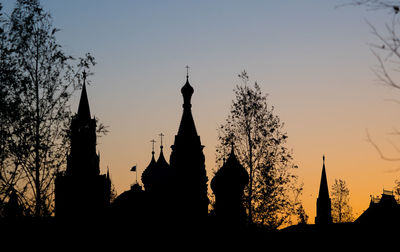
[(176, 193), (324, 215), (81, 191)]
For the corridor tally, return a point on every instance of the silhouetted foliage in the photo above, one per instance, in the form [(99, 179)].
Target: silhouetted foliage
[(396, 190), (301, 215), (341, 209), (260, 147), (39, 79)]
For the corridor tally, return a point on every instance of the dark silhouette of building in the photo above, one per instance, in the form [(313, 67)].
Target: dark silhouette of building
[(158, 181), (187, 162), (228, 186), (81, 191), (324, 215), (130, 207), (383, 211)]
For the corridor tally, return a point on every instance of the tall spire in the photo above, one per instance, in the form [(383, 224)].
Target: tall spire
[(83, 108), (323, 187), (324, 215), (187, 163)]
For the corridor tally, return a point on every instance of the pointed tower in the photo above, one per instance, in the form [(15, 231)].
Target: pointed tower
[(83, 159), (187, 162), (81, 191), (323, 202)]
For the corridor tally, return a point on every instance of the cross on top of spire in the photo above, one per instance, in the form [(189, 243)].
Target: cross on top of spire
[(187, 71), (161, 136), (84, 76), (153, 142)]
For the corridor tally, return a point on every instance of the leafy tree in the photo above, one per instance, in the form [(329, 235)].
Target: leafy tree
[(301, 215), (341, 209), (36, 115), (260, 146)]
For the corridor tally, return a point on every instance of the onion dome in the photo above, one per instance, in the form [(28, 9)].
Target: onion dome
[(157, 173), (162, 166), (187, 127), (187, 92), (231, 177), (147, 175)]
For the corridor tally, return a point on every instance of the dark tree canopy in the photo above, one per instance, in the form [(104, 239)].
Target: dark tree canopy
[(37, 81), (259, 139)]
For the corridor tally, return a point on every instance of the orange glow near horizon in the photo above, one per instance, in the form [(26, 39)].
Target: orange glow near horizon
[(312, 58)]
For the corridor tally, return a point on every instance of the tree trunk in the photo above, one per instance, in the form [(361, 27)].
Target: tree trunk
[(37, 139), (250, 183)]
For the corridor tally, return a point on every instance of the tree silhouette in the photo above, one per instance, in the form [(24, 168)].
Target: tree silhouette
[(341, 209), (260, 147), (386, 49), (36, 115)]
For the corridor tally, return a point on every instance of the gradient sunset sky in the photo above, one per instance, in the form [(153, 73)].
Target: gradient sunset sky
[(311, 57)]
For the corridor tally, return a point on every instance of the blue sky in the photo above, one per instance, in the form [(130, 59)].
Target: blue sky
[(312, 58)]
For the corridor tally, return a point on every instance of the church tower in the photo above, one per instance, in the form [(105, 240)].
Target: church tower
[(81, 191), (323, 202), (187, 162), (83, 160)]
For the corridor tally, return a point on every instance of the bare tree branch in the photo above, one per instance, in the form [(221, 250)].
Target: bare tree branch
[(379, 150)]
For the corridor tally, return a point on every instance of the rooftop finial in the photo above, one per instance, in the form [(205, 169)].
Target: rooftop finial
[(187, 72), (84, 76), (153, 142), (161, 136), (323, 159)]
